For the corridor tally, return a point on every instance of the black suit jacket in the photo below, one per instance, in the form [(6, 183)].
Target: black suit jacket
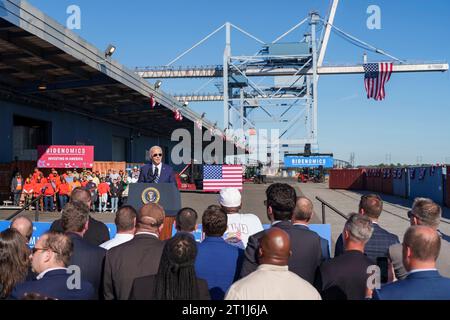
[(305, 246), (96, 234), (344, 277), (133, 259), (143, 289), (90, 259), (377, 246)]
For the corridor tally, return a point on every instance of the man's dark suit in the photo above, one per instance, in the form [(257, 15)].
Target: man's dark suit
[(377, 246), (344, 277), (54, 285), (323, 243), (133, 259), (165, 176), (305, 246), (422, 285), (90, 259), (96, 234), (142, 289)]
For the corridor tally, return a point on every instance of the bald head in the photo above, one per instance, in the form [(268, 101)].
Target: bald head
[(80, 194), (303, 210), (424, 243), (275, 247), (150, 218), (24, 225)]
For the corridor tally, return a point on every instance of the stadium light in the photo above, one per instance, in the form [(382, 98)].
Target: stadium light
[(158, 84), (110, 50)]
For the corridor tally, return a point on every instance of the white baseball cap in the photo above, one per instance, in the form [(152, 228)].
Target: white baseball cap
[(230, 197)]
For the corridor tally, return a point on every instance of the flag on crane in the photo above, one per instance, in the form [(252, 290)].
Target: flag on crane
[(375, 77)]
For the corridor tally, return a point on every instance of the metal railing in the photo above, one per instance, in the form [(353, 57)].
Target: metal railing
[(25, 207), (326, 204)]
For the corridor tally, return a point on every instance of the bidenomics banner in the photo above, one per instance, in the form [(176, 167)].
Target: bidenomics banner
[(65, 157)]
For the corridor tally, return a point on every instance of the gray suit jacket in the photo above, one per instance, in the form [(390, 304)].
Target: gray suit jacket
[(442, 263)]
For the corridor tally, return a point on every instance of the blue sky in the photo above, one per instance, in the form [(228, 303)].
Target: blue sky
[(412, 122)]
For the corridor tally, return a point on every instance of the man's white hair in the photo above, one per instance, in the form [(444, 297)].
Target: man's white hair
[(155, 147)]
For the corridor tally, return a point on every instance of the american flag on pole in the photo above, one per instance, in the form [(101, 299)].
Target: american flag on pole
[(217, 176), (375, 77)]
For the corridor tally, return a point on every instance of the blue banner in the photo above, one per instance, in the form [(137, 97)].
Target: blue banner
[(41, 227), (308, 162)]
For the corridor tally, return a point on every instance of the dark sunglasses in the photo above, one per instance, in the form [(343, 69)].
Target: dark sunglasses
[(157, 155), (410, 214)]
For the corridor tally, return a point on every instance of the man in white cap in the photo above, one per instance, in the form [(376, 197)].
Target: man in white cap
[(240, 225)]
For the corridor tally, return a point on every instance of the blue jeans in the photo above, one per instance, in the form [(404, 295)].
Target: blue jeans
[(48, 202), (17, 198), (62, 201), (114, 204)]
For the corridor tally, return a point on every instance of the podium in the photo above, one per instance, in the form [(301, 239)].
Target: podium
[(164, 194)]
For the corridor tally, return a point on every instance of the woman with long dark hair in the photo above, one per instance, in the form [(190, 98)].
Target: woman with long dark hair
[(176, 278), (14, 261)]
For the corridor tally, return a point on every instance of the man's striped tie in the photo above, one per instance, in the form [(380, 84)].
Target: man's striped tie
[(156, 174)]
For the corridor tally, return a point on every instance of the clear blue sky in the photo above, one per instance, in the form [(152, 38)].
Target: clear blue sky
[(413, 121)]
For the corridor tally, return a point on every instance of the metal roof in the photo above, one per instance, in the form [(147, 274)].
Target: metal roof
[(36, 50)]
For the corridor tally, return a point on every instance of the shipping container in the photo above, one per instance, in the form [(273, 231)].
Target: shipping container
[(427, 182), (348, 179), (387, 185), (401, 183), (447, 187)]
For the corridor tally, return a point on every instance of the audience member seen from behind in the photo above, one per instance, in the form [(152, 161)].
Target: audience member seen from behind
[(424, 212), (14, 261), (186, 220), (345, 277), (217, 261), (176, 278), (98, 232), (378, 245), (126, 226), (135, 258), (24, 225), (273, 280), (50, 259), (301, 218), (305, 244), (89, 258), (421, 245), (240, 225)]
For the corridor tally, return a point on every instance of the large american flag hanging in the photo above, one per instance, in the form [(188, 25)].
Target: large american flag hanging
[(216, 177), (376, 76)]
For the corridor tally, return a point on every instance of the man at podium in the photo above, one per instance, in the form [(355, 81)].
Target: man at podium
[(156, 171)]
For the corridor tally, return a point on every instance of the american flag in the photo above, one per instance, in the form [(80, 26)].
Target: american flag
[(376, 75), (216, 177)]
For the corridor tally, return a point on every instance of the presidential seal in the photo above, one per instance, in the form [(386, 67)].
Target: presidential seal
[(150, 195)]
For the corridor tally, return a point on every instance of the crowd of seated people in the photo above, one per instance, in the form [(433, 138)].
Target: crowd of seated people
[(236, 260)]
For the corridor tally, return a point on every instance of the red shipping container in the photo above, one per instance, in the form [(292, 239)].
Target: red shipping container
[(387, 186), (347, 179)]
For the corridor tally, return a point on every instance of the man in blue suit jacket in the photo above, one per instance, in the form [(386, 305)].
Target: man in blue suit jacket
[(156, 171), (378, 245), (421, 246), (50, 259), (217, 261)]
